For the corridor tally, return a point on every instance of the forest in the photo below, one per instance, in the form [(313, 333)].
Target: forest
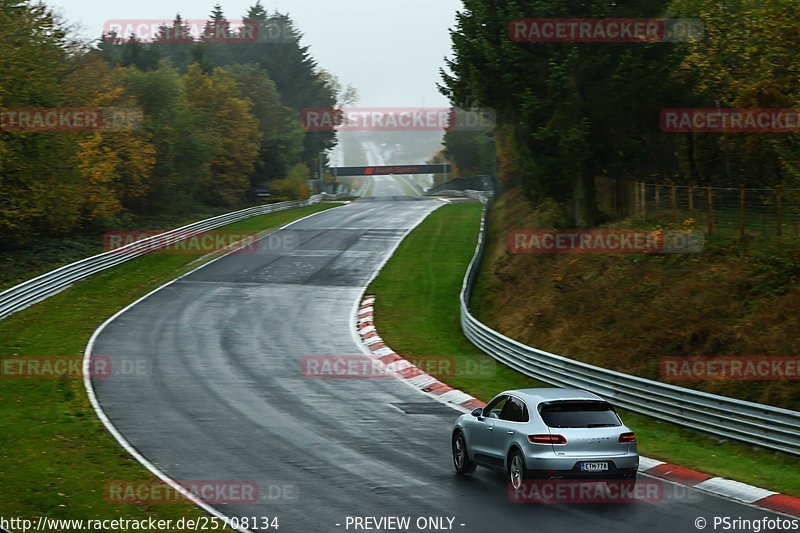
[(570, 112), (219, 115)]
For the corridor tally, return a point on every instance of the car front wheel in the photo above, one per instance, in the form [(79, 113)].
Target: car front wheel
[(460, 456)]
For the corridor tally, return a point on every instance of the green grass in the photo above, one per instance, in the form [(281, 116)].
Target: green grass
[(732, 299), (417, 298), (57, 456), (417, 314)]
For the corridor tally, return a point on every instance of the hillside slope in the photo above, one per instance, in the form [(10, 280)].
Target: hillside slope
[(627, 312)]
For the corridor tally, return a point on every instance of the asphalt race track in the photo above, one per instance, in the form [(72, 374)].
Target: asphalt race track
[(224, 397)]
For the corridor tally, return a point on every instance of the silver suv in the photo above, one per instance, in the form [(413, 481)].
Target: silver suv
[(546, 433)]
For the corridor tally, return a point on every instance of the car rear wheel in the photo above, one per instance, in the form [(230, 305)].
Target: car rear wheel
[(460, 456), (516, 469)]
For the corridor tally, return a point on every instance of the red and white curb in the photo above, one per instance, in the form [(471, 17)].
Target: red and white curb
[(405, 370), (727, 488)]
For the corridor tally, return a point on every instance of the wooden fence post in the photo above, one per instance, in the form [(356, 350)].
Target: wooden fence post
[(644, 201), (741, 212), (710, 209), (674, 203), (658, 197), (691, 201)]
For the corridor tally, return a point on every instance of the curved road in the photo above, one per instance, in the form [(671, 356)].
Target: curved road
[(224, 397)]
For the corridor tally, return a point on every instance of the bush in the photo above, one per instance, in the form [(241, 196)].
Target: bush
[(294, 186)]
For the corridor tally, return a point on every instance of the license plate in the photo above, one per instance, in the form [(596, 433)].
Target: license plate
[(594, 467)]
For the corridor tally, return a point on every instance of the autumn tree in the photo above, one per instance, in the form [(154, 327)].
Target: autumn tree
[(227, 117), (747, 59), (116, 160), (282, 136), (40, 187)]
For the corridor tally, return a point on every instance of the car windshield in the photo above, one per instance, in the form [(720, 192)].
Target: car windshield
[(579, 415)]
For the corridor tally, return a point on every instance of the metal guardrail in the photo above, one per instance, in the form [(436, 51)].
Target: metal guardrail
[(757, 424), (479, 183), (337, 196), (475, 195), (37, 289)]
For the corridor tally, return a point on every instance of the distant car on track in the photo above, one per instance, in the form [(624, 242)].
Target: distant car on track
[(546, 433)]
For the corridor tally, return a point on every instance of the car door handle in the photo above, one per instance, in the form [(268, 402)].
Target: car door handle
[(489, 428), (510, 432)]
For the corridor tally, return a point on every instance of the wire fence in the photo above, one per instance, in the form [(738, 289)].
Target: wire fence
[(738, 211)]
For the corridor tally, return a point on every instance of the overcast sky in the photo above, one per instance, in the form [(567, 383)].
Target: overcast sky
[(390, 51)]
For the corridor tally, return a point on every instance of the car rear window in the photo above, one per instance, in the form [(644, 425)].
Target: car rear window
[(579, 415)]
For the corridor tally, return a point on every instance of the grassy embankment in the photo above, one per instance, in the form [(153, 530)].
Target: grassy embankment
[(57, 456), (417, 314)]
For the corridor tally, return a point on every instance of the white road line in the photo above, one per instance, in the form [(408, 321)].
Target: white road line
[(87, 381)]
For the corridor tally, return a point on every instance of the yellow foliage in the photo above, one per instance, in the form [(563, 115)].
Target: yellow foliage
[(294, 186)]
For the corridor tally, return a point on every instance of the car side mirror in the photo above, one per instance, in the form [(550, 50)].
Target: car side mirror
[(477, 413)]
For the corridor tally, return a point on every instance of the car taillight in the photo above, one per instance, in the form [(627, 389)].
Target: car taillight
[(547, 439), (627, 437)]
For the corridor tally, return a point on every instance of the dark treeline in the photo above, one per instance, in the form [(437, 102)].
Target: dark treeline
[(219, 116), (569, 112)]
